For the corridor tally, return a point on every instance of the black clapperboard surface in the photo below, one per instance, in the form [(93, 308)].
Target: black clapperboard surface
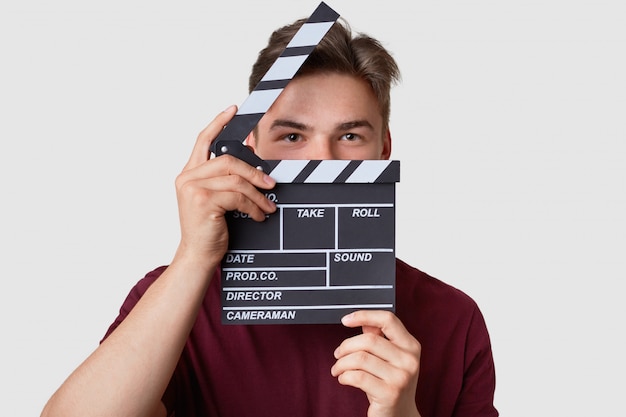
[(330, 247)]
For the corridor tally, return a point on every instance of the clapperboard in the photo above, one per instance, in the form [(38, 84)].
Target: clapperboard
[(330, 247)]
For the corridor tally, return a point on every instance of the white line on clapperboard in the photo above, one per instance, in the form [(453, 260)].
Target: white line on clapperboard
[(327, 266), (303, 251), (294, 205), (336, 287), (319, 307)]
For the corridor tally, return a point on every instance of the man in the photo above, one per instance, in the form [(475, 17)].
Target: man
[(168, 353)]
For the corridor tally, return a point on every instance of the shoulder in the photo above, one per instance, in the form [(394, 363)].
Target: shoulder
[(414, 284), (439, 314), (456, 349), (427, 304), (143, 284)]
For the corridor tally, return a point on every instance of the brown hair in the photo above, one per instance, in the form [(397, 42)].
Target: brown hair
[(340, 52)]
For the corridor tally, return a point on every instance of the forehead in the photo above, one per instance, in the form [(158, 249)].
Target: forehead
[(324, 97)]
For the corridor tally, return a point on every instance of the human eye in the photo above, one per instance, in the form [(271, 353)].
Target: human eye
[(292, 137), (350, 137)]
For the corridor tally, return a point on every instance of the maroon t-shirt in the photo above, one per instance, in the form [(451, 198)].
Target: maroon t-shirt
[(284, 370)]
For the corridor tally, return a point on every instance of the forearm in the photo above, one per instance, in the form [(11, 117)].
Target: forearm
[(128, 373)]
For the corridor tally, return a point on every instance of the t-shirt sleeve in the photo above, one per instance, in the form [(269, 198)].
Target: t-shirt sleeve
[(129, 303), (477, 393), (133, 297)]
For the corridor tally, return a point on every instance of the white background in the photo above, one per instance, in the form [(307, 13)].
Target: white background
[(510, 125)]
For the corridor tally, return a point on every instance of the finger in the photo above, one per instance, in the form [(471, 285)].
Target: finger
[(372, 375), (388, 323), (370, 343), (373, 330), (233, 193), (227, 165), (381, 374), (365, 381), (362, 345), (361, 360), (200, 152), (386, 397)]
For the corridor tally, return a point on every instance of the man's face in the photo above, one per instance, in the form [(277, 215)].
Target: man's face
[(323, 116)]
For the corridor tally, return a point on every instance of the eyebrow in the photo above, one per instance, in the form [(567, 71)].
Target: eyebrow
[(288, 123), (301, 126), (355, 123)]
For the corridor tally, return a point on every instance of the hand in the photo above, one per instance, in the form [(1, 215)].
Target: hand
[(383, 361), (207, 189)]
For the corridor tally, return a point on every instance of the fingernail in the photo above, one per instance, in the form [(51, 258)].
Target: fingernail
[(229, 108), (347, 318), (269, 180)]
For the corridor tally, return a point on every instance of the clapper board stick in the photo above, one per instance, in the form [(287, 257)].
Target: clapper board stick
[(230, 140)]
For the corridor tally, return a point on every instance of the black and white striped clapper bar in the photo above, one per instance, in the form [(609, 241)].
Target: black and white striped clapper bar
[(330, 247), (230, 140)]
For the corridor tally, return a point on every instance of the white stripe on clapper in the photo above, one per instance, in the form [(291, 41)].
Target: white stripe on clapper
[(327, 171), (310, 34), (287, 170), (368, 171)]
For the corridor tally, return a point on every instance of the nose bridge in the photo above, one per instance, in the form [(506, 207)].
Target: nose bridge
[(323, 148)]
